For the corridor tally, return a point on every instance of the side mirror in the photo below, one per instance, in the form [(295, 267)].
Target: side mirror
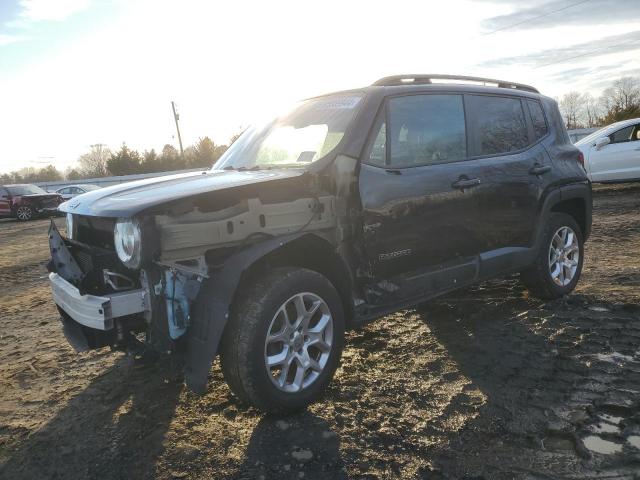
[(601, 142)]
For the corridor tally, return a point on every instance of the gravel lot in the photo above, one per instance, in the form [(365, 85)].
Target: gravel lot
[(485, 384)]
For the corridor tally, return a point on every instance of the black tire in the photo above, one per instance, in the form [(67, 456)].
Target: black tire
[(24, 213), (243, 343), (537, 278)]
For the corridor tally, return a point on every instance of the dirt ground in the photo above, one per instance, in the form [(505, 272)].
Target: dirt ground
[(485, 384)]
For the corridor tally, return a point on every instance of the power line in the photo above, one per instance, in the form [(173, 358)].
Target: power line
[(587, 53), (535, 18)]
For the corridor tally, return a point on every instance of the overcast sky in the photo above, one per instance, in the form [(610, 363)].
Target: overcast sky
[(78, 72)]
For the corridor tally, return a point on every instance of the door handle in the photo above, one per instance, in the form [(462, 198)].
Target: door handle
[(539, 169), (464, 182)]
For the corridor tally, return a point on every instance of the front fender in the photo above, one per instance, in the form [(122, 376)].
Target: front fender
[(210, 312)]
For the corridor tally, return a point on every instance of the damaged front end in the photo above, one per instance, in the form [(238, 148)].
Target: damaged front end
[(177, 296)]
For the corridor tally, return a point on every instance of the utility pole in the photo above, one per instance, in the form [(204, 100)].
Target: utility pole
[(176, 117)]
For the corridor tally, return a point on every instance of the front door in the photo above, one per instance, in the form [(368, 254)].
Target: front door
[(418, 192), (620, 159)]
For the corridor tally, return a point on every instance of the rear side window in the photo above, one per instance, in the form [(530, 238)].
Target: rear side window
[(537, 119), (424, 130), (499, 124)]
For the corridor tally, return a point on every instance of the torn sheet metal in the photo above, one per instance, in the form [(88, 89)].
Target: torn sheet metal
[(191, 235)]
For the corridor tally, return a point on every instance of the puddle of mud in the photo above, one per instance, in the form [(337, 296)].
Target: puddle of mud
[(634, 440), (605, 428), (610, 418), (599, 445)]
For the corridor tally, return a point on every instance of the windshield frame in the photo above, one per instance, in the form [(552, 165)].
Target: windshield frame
[(262, 130)]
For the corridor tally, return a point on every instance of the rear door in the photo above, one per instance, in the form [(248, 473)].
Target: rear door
[(620, 159), (512, 163), (5, 202), (417, 188)]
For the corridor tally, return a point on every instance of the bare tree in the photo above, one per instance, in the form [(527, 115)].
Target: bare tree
[(627, 92), (571, 107), (94, 163), (591, 111)]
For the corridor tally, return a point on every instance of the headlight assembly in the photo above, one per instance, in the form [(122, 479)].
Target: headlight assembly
[(70, 226), (128, 241)]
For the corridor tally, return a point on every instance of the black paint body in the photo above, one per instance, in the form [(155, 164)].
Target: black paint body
[(403, 235)]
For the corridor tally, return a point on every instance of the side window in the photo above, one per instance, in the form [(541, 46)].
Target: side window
[(426, 130), (623, 135), (4, 193), (76, 191), (499, 124), (378, 153), (537, 118), (65, 191)]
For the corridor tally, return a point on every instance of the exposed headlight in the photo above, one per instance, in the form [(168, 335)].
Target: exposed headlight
[(128, 241), (69, 225)]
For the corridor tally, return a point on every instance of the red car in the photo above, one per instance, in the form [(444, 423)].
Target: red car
[(24, 202)]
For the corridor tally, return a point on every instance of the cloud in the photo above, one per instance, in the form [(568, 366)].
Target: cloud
[(8, 39), (544, 13), (46, 10), (599, 77), (625, 42)]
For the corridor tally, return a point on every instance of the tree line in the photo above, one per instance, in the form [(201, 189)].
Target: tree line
[(100, 161), (620, 101)]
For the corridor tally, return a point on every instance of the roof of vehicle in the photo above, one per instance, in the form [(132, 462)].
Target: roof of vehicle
[(428, 79), (399, 84)]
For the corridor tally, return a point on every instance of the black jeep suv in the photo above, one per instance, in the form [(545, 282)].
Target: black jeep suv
[(348, 207)]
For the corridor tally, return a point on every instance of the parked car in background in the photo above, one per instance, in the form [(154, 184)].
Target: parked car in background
[(24, 202), (71, 191), (350, 206), (612, 154)]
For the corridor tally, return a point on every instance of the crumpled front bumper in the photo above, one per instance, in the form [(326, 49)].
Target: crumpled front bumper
[(98, 312)]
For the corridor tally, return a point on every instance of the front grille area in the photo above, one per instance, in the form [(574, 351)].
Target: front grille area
[(95, 231)]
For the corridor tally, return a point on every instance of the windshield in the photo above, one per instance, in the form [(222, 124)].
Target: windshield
[(309, 131), (604, 131), (592, 137), (24, 190)]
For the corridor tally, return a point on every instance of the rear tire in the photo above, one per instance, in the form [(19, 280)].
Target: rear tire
[(276, 355), (558, 266), (24, 213)]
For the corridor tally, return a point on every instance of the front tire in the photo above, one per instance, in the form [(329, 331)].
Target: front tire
[(284, 340), (24, 213), (558, 266)]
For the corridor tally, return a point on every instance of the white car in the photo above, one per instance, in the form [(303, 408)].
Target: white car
[(74, 190), (612, 154)]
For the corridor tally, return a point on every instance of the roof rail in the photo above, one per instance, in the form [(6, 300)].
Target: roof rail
[(424, 78)]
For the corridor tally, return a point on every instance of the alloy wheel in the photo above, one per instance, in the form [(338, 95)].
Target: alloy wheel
[(24, 213), (564, 256), (299, 342)]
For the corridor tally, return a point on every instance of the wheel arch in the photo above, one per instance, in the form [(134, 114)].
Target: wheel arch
[(575, 200), (211, 309), (312, 252), (575, 208)]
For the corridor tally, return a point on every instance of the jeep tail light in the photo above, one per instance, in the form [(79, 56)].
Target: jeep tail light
[(581, 159)]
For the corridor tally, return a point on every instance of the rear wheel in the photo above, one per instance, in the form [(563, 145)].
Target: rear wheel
[(284, 340), (559, 263), (24, 213)]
